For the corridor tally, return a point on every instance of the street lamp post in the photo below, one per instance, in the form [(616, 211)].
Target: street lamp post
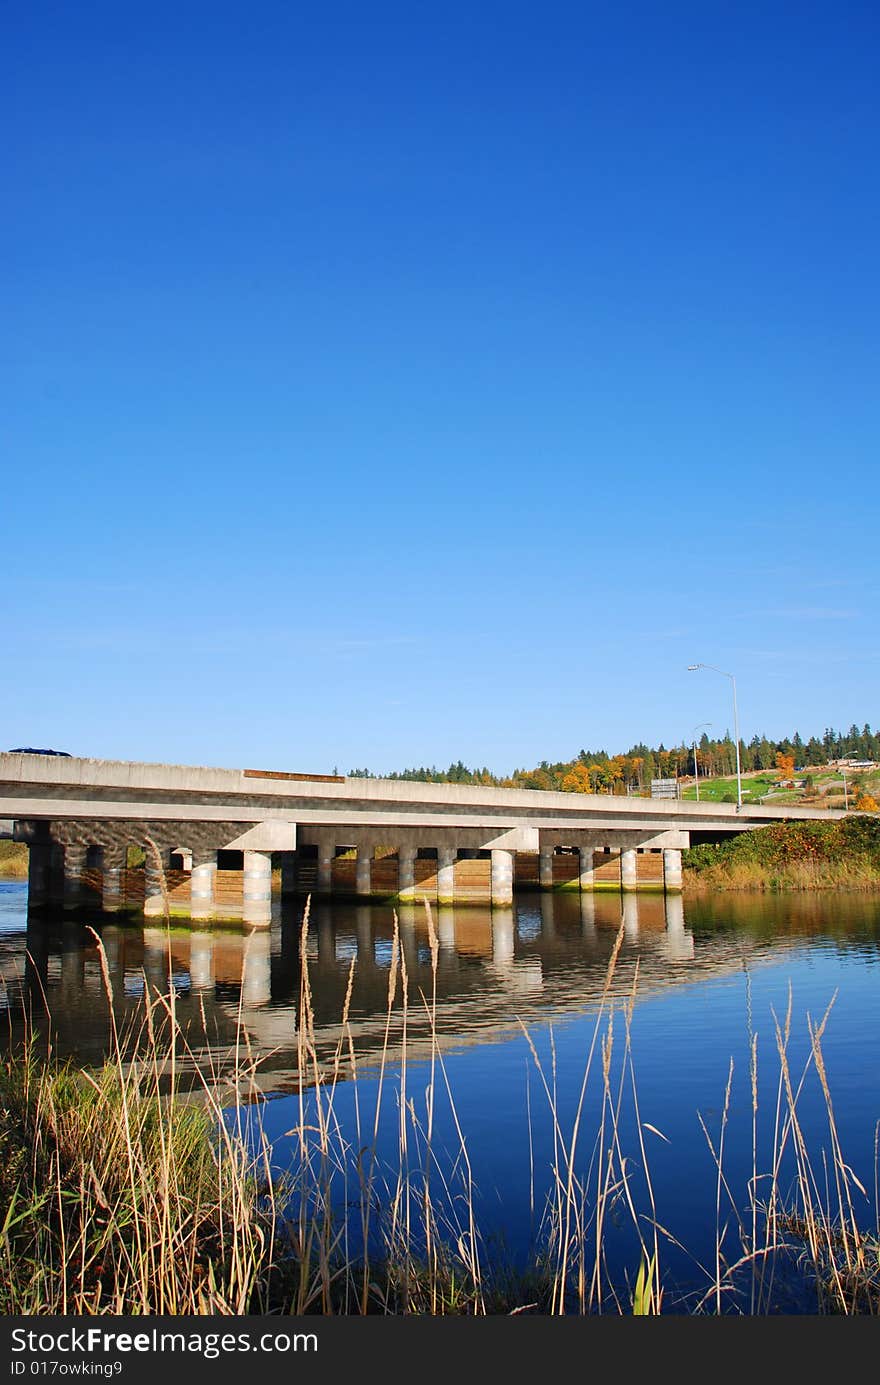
[(692, 669), (697, 728)]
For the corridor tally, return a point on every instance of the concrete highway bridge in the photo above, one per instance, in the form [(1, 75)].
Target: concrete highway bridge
[(203, 842)]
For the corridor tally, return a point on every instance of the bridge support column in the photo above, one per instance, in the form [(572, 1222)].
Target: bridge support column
[(362, 874), (629, 869), (288, 874), (154, 901), (201, 887), (502, 879), (257, 894), (74, 865), (545, 867), (672, 869), (586, 877), (112, 893), (406, 874), (39, 858), (446, 875), (324, 881), (56, 875)]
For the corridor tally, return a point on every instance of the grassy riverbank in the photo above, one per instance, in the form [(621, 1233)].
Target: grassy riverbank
[(13, 861), (814, 855), (118, 1194)]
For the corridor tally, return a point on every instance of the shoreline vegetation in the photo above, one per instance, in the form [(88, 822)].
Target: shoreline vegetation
[(789, 856), (120, 1194), (13, 861)]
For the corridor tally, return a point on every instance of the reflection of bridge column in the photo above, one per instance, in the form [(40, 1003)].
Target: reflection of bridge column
[(257, 892), (201, 961), (679, 942), (502, 936), (545, 867), (629, 868), (364, 931), (38, 875), (73, 966), (588, 915), (36, 966), (445, 875), (256, 974), (113, 942), (502, 879), (672, 868), (548, 922), (586, 877), (155, 959), (362, 874), (326, 940), (446, 929), (631, 918), (112, 892), (406, 928), (74, 865), (204, 874), (406, 872)]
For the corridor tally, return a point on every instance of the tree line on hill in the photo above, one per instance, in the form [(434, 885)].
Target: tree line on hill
[(595, 771)]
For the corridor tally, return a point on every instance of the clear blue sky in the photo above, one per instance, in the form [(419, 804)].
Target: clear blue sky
[(386, 384)]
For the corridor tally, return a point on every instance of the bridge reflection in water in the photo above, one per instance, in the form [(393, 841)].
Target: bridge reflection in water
[(544, 959)]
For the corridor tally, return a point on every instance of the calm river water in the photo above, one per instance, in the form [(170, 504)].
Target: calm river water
[(706, 975)]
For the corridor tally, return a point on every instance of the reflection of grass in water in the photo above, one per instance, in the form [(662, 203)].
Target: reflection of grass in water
[(118, 1196)]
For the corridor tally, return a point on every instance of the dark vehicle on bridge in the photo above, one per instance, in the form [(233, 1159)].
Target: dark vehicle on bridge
[(29, 750)]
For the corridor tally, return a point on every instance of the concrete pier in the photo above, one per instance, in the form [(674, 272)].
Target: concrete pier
[(201, 885), (502, 879), (39, 862), (74, 865), (112, 885), (629, 869), (324, 882), (154, 900), (545, 868), (257, 889), (672, 870), (363, 881), (406, 874), (446, 875), (586, 877)]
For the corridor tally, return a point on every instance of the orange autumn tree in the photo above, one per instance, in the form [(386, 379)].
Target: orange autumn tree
[(577, 780), (785, 765)]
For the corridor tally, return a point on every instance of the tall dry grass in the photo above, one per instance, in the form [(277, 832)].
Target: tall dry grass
[(792, 876)]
